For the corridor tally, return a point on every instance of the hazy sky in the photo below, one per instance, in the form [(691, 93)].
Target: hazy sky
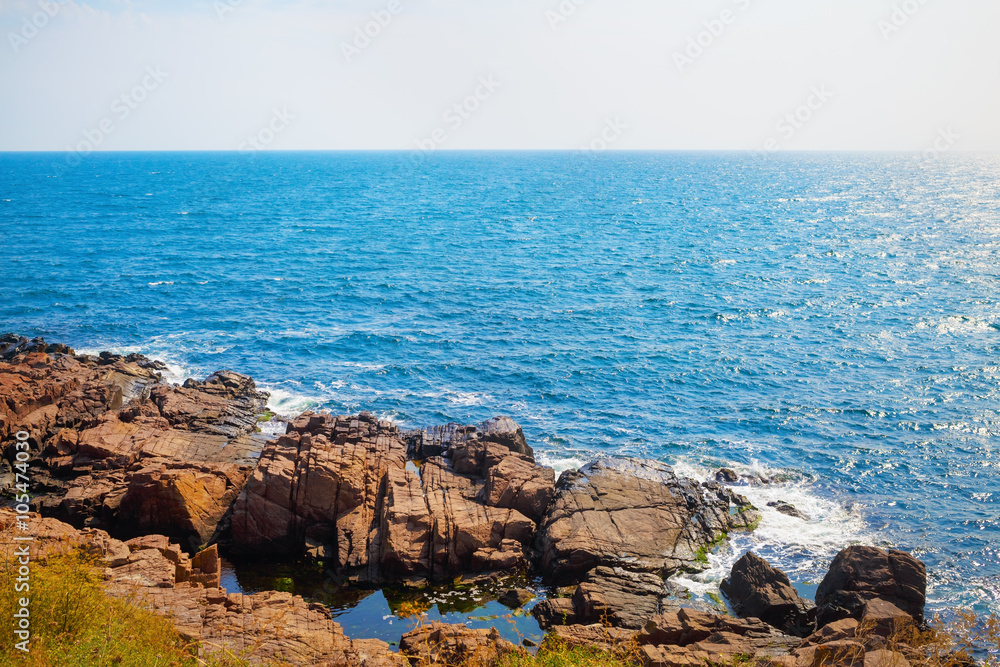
[(623, 74)]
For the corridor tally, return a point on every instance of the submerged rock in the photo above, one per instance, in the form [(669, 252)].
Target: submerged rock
[(788, 509)]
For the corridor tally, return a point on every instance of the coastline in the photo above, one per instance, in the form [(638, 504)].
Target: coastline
[(118, 446)]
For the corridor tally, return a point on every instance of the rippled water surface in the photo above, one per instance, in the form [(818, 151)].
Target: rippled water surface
[(833, 317)]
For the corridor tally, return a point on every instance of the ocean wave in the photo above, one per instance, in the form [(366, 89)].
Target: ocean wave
[(176, 372), (802, 549)]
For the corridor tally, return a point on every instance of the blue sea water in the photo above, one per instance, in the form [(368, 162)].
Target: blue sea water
[(832, 318)]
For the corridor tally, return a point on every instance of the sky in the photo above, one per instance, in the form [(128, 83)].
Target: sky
[(500, 74)]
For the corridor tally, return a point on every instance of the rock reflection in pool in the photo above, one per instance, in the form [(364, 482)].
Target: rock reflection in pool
[(390, 612)]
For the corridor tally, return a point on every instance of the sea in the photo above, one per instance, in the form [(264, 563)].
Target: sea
[(829, 320)]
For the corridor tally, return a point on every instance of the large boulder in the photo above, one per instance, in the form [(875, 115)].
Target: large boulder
[(859, 574), (637, 515), (318, 487), (758, 590), (612, 597), (341, 489)]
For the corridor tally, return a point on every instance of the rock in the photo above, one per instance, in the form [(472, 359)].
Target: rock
[(515, 482), (758, 590), (859, 574), (440, 643), (726, 476), (452, 438), (843, 653), (610, 596), (687, 626), (101, 443), (788, 509), (695, 643), (321, 481), (515, 598), (342, 486), (885, 658), (838, 630), (185, 502), (554, 611), (884, 618), (636, 515), (596, 636)]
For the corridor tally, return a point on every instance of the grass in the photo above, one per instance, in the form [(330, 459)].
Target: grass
[(74, 623), (556, 653)]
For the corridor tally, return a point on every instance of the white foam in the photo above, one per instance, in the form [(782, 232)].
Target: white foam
[(273, 427), (289, 404), (559, 463), (175, 373), (802, 549)]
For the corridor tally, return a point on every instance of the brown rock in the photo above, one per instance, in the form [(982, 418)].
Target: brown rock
[(321, 481), (885, 658), (515, 598), (596, 636), (103, 442), (265, 627), (838, 630), (859, 574), (452, 438), (555, 612), (632, 514), (884, 618), (341, 487), (843, 653), (756, 589), (515, 482), (185, 503), (440, 643)]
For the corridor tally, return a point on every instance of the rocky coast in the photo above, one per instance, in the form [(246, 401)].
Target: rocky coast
[(157, 480)]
